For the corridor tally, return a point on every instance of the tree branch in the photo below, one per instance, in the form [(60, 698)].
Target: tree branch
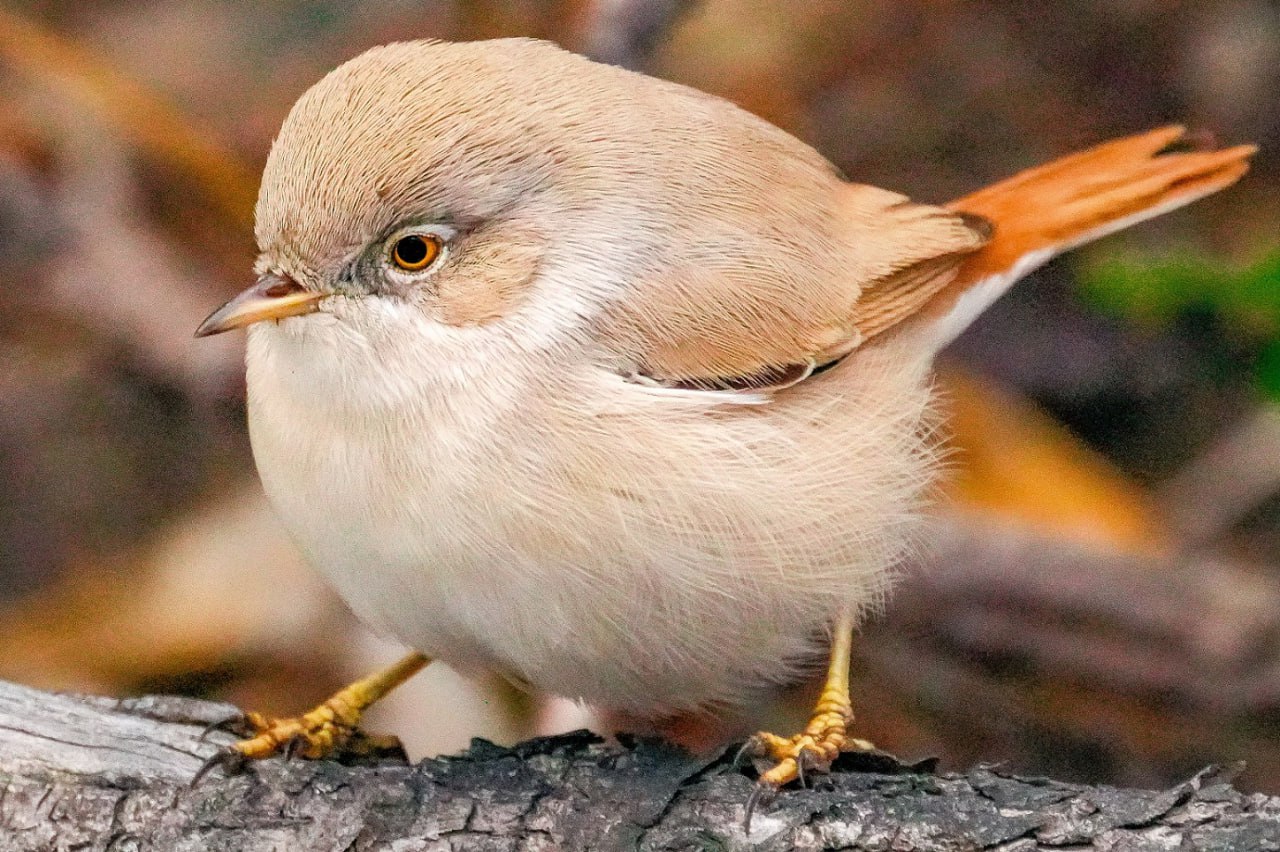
[(100, 774)]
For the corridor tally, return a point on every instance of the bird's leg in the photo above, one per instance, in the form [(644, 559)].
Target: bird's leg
[(319, 732), (827, 733)]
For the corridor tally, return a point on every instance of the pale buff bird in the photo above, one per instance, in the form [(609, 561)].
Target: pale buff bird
[(607, 385)]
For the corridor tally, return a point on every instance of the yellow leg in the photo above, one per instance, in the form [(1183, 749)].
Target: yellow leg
[(319, 732), (827, 733)]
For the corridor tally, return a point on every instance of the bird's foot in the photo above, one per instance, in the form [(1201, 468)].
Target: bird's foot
[(319, 733), (313, 735), (812, 750)]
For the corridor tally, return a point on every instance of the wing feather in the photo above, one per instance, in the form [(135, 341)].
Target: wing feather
[(830, 283)]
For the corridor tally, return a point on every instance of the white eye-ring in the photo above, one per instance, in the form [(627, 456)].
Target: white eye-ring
[(416, 250)]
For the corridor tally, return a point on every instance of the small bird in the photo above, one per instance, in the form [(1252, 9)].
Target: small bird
[(604, 384)]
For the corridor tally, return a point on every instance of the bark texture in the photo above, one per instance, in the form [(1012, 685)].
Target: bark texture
[(97, 774)]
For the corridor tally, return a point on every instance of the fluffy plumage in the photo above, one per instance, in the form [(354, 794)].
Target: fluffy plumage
[(507, 464)]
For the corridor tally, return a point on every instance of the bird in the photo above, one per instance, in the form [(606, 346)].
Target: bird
[(601, 383)]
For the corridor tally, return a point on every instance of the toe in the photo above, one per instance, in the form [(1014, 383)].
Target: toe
[(783, 772), (237, 724), (230, 759)]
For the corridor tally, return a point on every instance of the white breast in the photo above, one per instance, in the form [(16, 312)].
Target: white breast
[(646, 554)]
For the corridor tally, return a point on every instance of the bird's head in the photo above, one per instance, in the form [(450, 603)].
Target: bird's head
[(480, 200), (445, 184)]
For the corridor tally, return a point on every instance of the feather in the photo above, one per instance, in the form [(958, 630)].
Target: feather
[(1049, 209)]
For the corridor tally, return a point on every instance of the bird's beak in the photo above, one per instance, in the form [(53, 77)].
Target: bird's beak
[(273, 297)]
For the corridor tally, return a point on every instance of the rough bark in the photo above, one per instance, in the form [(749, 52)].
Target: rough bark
[(98, 774)]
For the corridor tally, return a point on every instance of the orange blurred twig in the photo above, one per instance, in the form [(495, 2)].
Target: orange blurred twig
[(139, 114)]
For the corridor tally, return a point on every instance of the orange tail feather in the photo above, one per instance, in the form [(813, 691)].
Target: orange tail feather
[(1049, 209)]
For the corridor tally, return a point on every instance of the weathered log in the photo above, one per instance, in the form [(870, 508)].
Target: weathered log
[(100, 774)]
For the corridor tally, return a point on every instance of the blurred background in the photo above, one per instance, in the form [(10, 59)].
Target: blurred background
[(1103, 601)]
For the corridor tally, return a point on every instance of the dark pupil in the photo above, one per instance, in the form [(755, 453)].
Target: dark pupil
[(412, 250)]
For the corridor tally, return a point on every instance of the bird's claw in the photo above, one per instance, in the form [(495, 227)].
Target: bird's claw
[(229, 759), (789, 758), (233, 724), (782, 760), (313, 735)]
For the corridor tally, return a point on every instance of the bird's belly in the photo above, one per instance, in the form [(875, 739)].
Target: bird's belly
[(571, 606), (649, 561)]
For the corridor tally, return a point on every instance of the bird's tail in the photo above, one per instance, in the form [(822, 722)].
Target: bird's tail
[(1049, 209)]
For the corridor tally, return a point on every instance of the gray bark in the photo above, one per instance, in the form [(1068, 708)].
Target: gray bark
[(97, 774)]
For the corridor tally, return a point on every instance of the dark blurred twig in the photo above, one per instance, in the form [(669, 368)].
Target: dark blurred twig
[(626, 32), (1206, 631), (1215, 491), (1054, 654)]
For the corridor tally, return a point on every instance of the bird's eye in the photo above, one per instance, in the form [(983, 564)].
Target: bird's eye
[(415, 252)]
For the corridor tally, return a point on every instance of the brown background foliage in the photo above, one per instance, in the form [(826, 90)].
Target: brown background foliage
[(1109, 644)]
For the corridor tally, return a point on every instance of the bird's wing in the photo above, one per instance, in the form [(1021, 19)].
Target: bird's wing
[(767, 322), (905, 267)]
